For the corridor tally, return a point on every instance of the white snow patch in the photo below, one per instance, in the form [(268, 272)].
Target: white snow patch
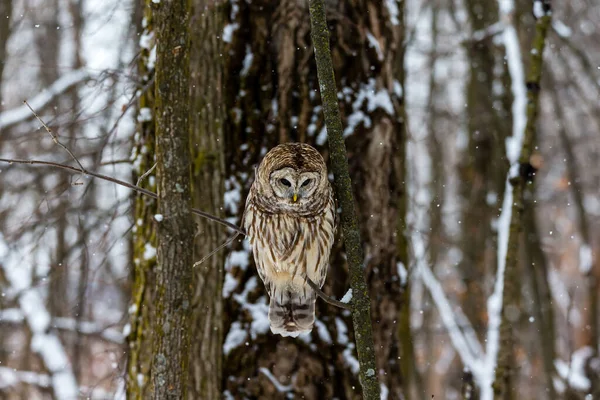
[(144, 115), (561, 29), (323, 332), (402, 273), (575, 373), (376, 99), (233, 195), (385, 392), (538, 9), (229, 285), (280, 388), (10, 377), (375, 44), (586, 259), (149, 252), (351, 361), (146, 39), (322, 136), (158, 217), (235, 337), (247, 63), (398, 91), (347, 297), (228, 31), (392, 7), (342, 331), (151, 58)]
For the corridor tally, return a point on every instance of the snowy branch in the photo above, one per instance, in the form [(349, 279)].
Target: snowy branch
[(470, 353), (46, 344), (22, 113), (16, 316)]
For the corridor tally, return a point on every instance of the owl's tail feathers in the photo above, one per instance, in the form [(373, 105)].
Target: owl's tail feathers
[(292, 311)]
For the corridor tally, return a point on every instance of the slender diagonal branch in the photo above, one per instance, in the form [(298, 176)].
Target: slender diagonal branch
[(361, 304), (122, 183), (55, 137), (237, 229), (326, 298)]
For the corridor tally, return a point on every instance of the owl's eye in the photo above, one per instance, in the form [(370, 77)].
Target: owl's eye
[(306, 182), (285, 182)]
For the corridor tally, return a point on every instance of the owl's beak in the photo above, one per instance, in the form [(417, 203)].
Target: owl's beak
[(295, 197)]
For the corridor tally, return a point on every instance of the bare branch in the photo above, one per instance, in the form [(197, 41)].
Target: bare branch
[(122, 183), (327, 299), (227, 243), (55, 137), (145, 175)]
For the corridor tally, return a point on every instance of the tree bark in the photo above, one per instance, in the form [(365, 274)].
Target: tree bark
[(141, 310), (207, 117), (271, 45), (485, 165), (6, 14), (175, 233), (361, 302), (504, 387)]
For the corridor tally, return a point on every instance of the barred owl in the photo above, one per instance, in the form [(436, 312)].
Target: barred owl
[(290, 222)]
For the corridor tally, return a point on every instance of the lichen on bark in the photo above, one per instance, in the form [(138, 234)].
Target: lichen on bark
[(175, 233), (361, 302)]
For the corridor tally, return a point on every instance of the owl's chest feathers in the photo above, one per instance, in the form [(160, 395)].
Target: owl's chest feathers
[(282, 233)]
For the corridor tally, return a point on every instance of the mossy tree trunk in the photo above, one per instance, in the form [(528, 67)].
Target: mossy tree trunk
[(175, 230), (272, 97), (140, 338), (207, 118)]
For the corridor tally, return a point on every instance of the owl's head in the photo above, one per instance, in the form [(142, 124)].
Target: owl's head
[(293, 176)]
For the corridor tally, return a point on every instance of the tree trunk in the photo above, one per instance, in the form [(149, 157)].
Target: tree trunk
[(271, 97), (207, 117), (483, 171), (174, 233), (504, 382), (140, 338)]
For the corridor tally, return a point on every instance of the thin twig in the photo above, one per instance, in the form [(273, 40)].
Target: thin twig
[(227, 243), (55, 138), (122, 183), (327, 299), (145, 175)]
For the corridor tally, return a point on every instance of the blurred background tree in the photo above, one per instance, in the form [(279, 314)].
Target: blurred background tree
[(428, 96)]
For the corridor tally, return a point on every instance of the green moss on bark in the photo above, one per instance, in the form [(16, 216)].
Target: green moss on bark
[(175, 234), (361, 303), (144, 236)]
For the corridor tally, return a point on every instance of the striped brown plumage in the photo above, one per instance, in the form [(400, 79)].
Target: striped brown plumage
[(290, 222)]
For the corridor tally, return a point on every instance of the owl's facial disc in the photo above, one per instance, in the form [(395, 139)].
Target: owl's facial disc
[(283, 183), (293, 187)]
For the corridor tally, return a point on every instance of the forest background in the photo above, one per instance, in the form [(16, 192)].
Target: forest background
[(435, 98)]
